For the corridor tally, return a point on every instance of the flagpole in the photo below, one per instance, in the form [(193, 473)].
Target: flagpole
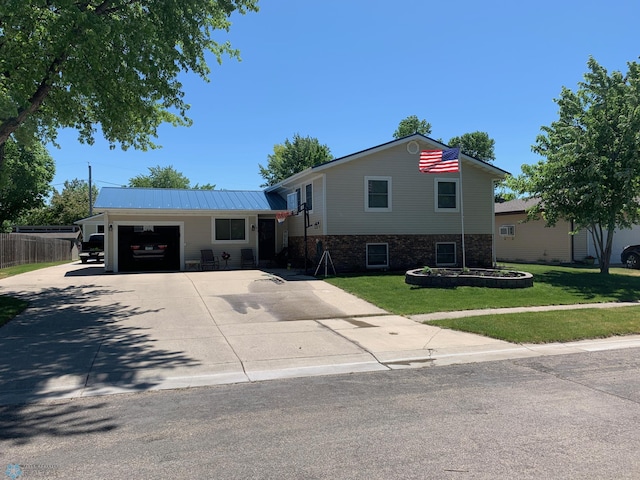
[(464, 258)]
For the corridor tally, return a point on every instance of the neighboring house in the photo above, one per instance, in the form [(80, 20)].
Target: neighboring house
[(371, 209), (522, 240)]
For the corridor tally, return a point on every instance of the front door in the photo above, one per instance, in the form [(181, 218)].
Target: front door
[(266, 239)]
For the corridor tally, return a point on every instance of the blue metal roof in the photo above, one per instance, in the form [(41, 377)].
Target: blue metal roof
[(173, 199)]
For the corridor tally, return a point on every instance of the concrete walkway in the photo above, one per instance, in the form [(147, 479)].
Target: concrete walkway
[(90, 333)]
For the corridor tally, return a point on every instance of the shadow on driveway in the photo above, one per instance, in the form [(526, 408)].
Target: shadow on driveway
[(64, 336)]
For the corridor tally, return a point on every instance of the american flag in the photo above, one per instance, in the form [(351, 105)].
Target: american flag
[(439, 161)]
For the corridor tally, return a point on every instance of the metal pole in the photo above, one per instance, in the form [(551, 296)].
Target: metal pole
[(90, 194)]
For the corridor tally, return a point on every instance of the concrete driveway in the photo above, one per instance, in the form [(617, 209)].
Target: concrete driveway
[(90, 333)]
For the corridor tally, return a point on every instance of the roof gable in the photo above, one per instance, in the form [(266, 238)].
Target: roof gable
[(416, 137)]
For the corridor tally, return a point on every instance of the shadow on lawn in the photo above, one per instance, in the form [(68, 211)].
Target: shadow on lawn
[(589, 284), (69, 339)]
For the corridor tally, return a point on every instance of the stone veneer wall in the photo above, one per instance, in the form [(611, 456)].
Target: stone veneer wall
[(348, 252)]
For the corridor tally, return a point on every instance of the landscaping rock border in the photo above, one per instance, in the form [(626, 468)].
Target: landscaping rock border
[(478, 277)]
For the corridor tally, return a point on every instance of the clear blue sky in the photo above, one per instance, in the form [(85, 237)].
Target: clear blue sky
[(347, 71)]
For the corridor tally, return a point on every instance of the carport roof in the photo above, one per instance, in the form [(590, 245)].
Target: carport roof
[(174, 199)]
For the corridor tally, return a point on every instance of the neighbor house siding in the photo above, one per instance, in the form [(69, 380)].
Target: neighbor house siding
[(533, 242)]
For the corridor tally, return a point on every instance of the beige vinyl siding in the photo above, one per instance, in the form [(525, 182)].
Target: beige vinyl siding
[(295, 224), (412, 204), (533, 242), (197, 234)]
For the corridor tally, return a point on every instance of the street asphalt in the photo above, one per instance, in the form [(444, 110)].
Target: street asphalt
[(87, 332)]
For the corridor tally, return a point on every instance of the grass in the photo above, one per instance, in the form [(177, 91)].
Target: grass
[(10, 306), (553, 326), (553, 285), (27, 267)]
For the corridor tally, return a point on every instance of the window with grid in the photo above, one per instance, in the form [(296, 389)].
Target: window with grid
[(445, 253), (377, 255), (446, 195), (377, 194)]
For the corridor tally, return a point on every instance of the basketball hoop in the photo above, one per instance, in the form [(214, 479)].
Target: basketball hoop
[(282, 216)]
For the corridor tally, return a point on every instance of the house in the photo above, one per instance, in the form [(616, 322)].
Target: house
[(375, 209), (370, 209), (522, 240)]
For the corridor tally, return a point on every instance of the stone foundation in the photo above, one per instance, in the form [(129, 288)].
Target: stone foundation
[(348, 252)]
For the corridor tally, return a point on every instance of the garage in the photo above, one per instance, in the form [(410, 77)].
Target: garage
[(143, 248)]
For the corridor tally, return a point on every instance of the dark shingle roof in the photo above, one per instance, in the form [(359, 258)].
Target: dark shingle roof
[(174, 199)]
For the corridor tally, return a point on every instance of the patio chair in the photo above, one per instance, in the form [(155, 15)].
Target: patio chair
[(208, 261), (246, 256)]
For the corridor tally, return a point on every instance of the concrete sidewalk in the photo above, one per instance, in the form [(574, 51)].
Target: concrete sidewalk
[(90, 333)]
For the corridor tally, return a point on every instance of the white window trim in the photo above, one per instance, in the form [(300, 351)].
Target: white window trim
[(366, 194), (455, 254), (386, 265), (230, 242), (508, 230), (435, 195)]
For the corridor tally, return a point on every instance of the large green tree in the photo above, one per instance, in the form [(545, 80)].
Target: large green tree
[(165, 177), (25, 179), (410, 125), (475, 144), (293, 157), (592, 170), (112, 63)]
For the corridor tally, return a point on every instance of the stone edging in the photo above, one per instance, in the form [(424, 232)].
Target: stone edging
[(415, 277)]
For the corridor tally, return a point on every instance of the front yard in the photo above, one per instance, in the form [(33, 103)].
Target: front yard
[(553, 285)]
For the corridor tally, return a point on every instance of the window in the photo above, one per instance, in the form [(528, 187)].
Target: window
[(299, 198), (230, 229), (377, 255), (308, 194), (377, 194), (446, 195), (508, 230), (445, 253), (292, 202)]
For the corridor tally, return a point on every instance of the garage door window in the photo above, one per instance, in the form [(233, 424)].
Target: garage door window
[(230, 229)]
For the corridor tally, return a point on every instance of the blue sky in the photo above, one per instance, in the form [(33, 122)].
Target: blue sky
[(347, 71)]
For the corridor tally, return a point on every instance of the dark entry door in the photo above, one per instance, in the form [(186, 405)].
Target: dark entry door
[(266, 239)]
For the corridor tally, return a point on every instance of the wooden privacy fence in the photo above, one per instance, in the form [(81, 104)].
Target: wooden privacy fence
[(21, 249)]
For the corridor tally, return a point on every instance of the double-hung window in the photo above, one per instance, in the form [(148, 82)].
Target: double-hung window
[(377, 255), (446, 195), (377, 196), (445, 253)]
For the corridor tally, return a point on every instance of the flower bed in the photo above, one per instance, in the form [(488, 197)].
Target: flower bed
[(477, 277)]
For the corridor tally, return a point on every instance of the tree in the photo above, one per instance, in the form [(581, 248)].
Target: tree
[(25, 179), (592, 170), (476, 144), (410, 125), (65, 207), (114, 63), (293, 157), (165, 177)]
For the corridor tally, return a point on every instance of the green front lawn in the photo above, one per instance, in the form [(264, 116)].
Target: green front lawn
[(553, 285)]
